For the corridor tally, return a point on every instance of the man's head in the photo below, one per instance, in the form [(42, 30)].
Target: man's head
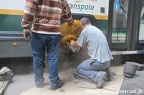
[(85, 22)]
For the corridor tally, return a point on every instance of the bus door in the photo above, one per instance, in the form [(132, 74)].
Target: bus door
[(125, 25)]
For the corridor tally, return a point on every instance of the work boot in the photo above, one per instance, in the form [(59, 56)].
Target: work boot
[(39, 85), (56, 85), (101, 79), (110, 74), (40, 82), (39, 79), (82, 77)]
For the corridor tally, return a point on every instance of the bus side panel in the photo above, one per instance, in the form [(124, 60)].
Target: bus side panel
[(15, 49), (10, 23), (12, 43)]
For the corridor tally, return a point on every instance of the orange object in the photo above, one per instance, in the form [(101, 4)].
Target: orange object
[(72, 26)]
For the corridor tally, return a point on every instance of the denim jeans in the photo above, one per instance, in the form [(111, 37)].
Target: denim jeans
[(90, 68), (41, 44)]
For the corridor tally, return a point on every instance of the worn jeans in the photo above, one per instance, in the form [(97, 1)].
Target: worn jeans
[(90, 68), (40, 44)]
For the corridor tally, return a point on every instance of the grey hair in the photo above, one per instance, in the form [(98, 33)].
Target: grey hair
[(85, 21)]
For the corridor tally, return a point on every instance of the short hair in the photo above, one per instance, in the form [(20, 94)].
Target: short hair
[(85, 21)]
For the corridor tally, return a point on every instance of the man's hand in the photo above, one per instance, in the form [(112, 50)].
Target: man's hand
[(26, 34), (74, 49), (73, 46), (72, 42)]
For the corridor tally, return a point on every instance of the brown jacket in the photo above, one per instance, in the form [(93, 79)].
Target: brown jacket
[(45, 16)]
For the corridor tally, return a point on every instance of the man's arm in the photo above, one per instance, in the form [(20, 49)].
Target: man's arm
[(28, 15), (66, 13)]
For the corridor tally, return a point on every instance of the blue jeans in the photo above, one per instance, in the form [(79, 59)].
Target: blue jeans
[(90, 67), (40, 44)]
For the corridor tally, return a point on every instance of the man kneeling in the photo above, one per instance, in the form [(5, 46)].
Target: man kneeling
[(96, 66)]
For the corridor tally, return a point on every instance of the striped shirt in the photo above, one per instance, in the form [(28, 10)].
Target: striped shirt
[(45, 16)]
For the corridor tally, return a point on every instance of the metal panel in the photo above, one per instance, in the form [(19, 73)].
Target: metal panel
[(15, 49)]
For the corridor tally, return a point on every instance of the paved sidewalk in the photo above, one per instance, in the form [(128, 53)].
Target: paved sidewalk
[(73, 86)]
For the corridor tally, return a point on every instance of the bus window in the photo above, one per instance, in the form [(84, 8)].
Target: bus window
[(119, 21), (141, 28)]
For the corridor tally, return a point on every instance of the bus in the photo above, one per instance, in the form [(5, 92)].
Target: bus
[(120, 20)]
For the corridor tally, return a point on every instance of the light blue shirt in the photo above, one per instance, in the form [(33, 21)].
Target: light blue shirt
[(96, 44)]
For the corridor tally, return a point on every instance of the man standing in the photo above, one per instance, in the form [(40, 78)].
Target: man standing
[(98, 51), (44, 16)]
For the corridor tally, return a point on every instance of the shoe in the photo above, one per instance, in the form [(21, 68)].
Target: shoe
[(39, 85), (110, 74), (101, 79), (39, 82), (82, 77), (56, 85)]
